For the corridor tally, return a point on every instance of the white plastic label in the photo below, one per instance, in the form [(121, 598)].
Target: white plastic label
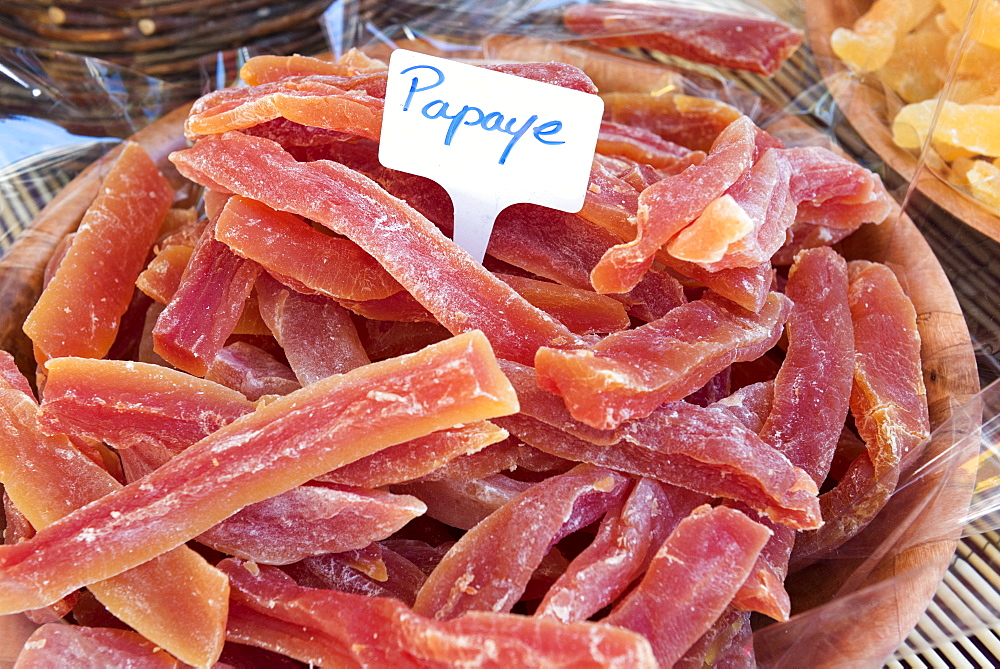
[(490, 139)]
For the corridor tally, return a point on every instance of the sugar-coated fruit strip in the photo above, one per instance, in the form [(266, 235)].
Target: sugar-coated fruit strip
[(888, 402), (488, 569), (699, 448), (316, 334), (692, 122), (628, 374), (813, 387), (252, 371), (603, 571), (410, 248), (208, 304), (78, 312), (746, 286), (416, 458), (401, 307), (176, 600), (464, 503), (691, 580), (582, 311), (764, 590), (334, 571), (611, 202), (493, 459), (310, 101), (310, 520), (163, 274), (60, 645), (131, 403), (286, 245), (281, 445), (268, 68), (669, 205), (642, 145), (353, 631), (750, 404), (707, 35)]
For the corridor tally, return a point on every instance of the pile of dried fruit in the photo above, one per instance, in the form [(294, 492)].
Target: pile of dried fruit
[(338, 438)]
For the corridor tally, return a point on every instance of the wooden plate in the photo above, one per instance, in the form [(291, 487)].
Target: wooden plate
[(864, 104), (903, 555)]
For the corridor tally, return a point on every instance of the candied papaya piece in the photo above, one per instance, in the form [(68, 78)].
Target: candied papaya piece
[(311, 520), (813, 387), (427, 264), (833, 191), (177, 599), (285, 245), (128, 404), (489, 460), (204, 311), (416, 458), (705, 449), (267, 68), (79, 311), (712, 36), (163, 274), (746, 286), (333, 628), (620, 550), (688, 121), (642, 145), (308, 100), (628, 374), (316, 334), (582, 311), (279, 446), (55, 645), (670, 205), (252, 371), (691, 580), (464, 503), (488, 569)]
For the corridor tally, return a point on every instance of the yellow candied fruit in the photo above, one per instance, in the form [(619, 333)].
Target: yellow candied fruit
[(917, 68), (869, 45), (974, 127), (982, 179), (984, 26)]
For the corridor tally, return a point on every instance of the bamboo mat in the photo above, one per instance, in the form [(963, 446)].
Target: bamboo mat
[(961, 627)]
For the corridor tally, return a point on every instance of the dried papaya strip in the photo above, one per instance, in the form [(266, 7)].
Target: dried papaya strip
[(177, 600), (746, 286), (583, 312), (78, 312), (399, 307), (411, 249), (310, 520), (316, 334), (707, 35), (464, 504), (342, 629), (628, 374), (888, 402), (251, 371), (208, 304), (395, 577), (287, 246), (622, 548), (132, 403), (813, 387), (692, 122), (668, 206), (493, 459), (643, 146), (835, 192), (476, 575), (691, 580), (267, 68), (701, 449), (309, 101), (59, 645), (611, 202), (163, 274), (416, 458), (281, 445)]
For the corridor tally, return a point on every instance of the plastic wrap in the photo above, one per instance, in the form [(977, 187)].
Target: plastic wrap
[(890, 571)]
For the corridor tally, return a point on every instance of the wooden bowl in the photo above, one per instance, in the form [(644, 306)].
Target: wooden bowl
[(904, 554), (863, 101)]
